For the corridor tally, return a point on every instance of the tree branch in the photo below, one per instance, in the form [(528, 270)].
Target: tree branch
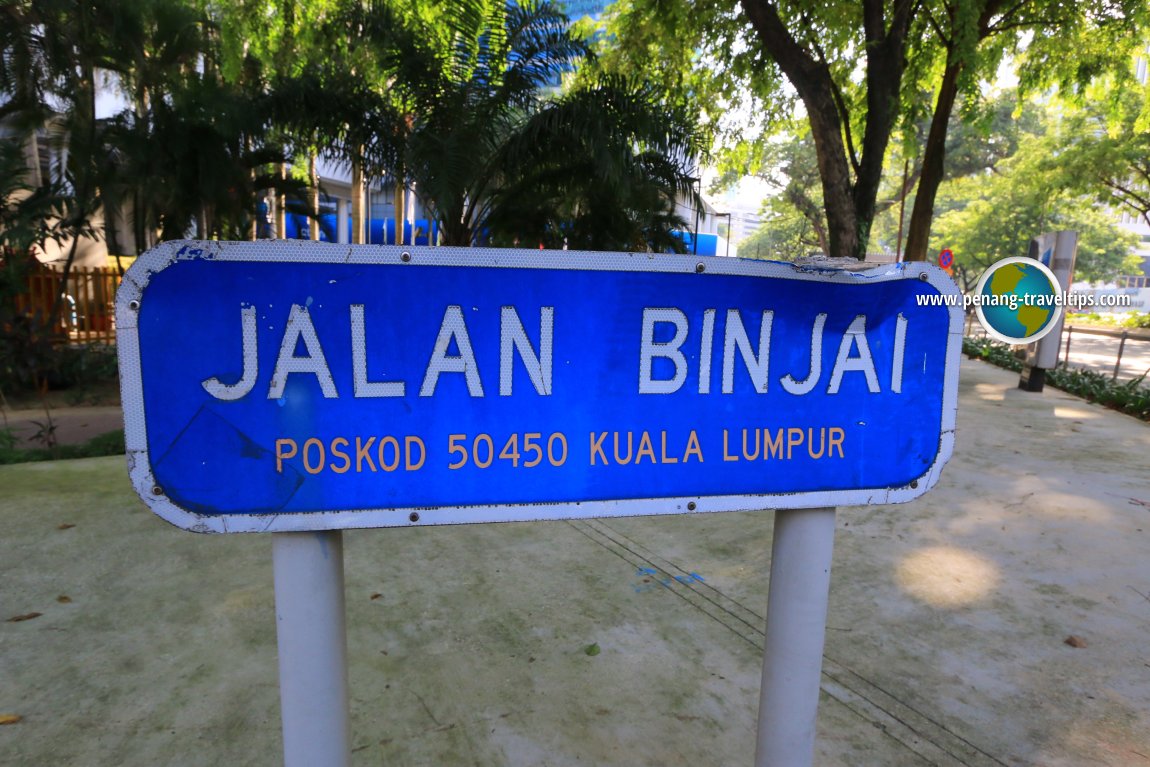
[(1141, 170), (1014, 9), (841, 106), (901, 15), (988, 12), (937, 29), (810, 211), (1044, 23), (1140, 204)]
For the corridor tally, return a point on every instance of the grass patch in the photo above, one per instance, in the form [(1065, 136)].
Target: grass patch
[(111, 443), (1130, 397)]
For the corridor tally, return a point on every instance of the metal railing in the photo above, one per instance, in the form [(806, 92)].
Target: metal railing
[(1133, 346), (1122, 334), (87, 304)]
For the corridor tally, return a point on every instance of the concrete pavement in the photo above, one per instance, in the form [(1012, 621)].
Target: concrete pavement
[(69, 425), (470, 645)]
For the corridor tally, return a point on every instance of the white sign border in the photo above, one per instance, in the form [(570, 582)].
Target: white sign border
[(131, 294)]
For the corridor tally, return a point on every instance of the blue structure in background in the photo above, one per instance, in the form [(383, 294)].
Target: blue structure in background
[(379, 231), (424, 232), (708, 243)]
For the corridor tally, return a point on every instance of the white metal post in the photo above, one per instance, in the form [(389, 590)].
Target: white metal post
[(796, 627), (312, 638)]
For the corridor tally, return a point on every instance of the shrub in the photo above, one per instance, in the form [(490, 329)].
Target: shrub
[(111, 443), (1137, 320), (991, 351)]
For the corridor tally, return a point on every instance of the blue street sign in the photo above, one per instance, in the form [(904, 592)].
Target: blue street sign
[(293, 385)]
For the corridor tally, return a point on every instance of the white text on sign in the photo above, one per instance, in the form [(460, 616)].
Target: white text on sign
[(738, 351)]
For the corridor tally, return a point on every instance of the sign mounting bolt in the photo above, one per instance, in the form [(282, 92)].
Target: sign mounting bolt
[(691, 506), (134, 305), (700, 268), (924, 276), (157, 490), (405, 257), (414, 516)]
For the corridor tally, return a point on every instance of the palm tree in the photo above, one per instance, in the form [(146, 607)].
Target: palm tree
[(499, 158), (599, 169), (353, 87), (499, 59)]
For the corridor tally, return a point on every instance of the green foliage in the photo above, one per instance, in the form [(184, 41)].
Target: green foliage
[(1131, 397), (1107, 148), (794, 222), (991, 351), (1136, 320), (487, 89), (25, 347), (111, 443), (993, 215), (697, 55), (784, 235), (982, 134), (1133, 320), (221, 97), (730, 57), (30, 215), (79, 366), (598, 168), (30, 362)]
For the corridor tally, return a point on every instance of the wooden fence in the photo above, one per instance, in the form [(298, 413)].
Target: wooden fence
[(87, 310)]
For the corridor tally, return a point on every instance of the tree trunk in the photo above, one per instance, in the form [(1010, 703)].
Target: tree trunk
[(139, 206), (933, 163), (254, 227), (834, 171), (456, 236), (453, 226), (850, 181), (281, 205), (902, 208), (313, 197), (885, 63), (849, 199), (357, 195), (111, 212)]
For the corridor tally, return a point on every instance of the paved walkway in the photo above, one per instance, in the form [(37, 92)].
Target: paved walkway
[(947, 641), (70, 426)]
